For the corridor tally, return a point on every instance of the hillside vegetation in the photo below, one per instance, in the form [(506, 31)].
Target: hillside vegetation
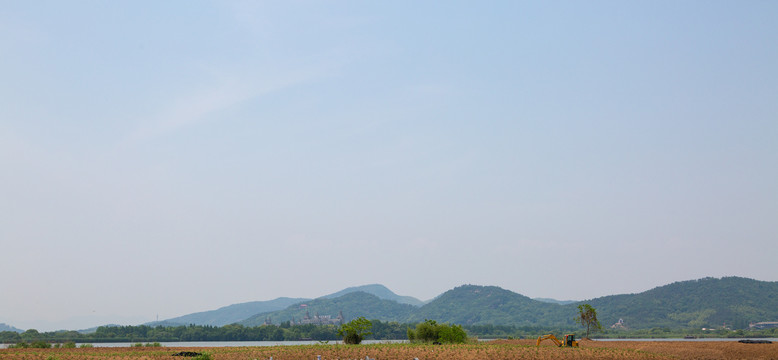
[(471, 304), (709, 302), (353, 305), (731, 302), (380, 291), (232, 313)]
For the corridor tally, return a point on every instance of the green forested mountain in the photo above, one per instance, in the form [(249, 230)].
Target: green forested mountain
[(232, 313), (242, 312), (707, 302), (353, 305), (471, 304), (700, 303), (378, 290)]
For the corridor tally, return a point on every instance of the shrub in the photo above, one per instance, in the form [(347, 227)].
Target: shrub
[(203, 356), (431, 331), (40, 345), (411, 335), (452, 334), (427, 331), (355, 330)]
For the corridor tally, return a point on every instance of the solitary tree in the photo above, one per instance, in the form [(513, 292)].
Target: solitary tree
[(587, 316), (355, 330)]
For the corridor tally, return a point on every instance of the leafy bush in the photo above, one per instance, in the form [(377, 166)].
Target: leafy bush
[(427, 331), (203, 356), (451, 334), (431, 331), (69, 345), (86, 345), (355, 330), (40, 345)]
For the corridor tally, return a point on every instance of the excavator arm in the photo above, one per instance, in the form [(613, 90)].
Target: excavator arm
[(548, 337), (569, 340)]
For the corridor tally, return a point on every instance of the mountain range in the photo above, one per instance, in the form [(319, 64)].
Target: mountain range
[(734, 302), (708, 302), (232, 313)]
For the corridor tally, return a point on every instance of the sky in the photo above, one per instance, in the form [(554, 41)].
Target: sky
[(164, 158)]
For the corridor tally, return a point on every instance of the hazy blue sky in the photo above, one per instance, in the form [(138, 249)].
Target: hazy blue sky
[(168, 157)]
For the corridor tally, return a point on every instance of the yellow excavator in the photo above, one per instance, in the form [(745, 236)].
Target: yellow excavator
[(569, 340)]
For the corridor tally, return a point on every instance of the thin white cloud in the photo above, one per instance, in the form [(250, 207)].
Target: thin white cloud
[(195, 106)]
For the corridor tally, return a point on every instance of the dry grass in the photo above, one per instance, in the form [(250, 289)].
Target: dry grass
[(504, 349)]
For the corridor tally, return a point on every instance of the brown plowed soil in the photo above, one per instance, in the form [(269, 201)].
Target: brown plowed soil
[(492, 350)]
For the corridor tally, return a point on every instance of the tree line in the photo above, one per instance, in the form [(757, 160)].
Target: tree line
[(380, 330), (235, 332)]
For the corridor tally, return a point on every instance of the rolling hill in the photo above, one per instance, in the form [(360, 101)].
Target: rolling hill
[(707, 302), (248, 313), (555, 301), (699, 303), (232, 313), (352, 304), (473, 305), (382, 292)]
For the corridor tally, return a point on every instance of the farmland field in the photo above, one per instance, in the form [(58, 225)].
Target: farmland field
[(501, 349)]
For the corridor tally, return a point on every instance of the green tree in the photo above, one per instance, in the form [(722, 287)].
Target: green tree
[(427, 331), (355, 330), (587, 317), (452, 334), (9, 337), (431, 331), (30, 335)]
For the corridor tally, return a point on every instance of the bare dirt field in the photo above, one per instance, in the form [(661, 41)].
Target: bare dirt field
[(684, 349), (501, 349)]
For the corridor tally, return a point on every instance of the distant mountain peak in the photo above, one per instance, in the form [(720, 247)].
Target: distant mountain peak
[(231, 313), (381, 291), (6, 327), (555, 301), (350, 305)]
